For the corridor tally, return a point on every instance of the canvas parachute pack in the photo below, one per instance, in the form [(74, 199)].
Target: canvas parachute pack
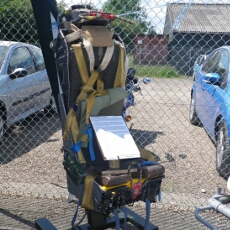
[(92, 65)]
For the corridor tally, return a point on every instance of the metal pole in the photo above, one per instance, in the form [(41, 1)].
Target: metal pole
[(203, 221)]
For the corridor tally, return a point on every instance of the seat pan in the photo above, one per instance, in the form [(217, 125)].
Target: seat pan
[(121, 176)]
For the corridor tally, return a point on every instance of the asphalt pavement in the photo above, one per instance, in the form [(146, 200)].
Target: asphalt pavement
[(21, 212)]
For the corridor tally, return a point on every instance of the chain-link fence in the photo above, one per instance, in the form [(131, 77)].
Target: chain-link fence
[(163, 45)]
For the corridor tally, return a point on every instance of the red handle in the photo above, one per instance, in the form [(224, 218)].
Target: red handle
[(109, 16)]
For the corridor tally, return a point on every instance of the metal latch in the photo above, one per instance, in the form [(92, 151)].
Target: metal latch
[(136, 187)]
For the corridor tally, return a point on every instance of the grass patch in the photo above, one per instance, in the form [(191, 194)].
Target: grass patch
[(157, 71)]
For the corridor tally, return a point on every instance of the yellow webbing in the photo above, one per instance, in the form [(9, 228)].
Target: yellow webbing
[(71, 126), (80, 157), (88, 82), (120, 74), (87, 200), (100, 86), (81, 63), (145, 154), (87, 89), (89, 105), (71, 120), (71, 129), (87, 92)]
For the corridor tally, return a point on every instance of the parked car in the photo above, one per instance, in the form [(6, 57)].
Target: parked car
[(210, 104), (24, 83), (198, 63)]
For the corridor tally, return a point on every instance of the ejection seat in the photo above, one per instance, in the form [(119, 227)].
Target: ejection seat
[(92, 66)]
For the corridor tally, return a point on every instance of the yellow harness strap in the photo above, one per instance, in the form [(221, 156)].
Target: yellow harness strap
[(100, 86), (120, 74), (87, 87), (87, 200), (81, 64), (71, 129), (87, 92), (145, 154)]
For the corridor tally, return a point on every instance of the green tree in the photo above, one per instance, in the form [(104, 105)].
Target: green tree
[(17, 21), (129, 9)]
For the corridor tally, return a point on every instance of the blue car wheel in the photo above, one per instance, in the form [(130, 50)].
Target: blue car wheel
[(222, 151), (193, 118)]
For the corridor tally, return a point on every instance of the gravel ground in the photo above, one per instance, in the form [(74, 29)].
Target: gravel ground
[(17, 214), (186, 151), (31, 157)]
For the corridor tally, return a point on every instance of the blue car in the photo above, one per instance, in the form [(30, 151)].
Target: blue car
[(210, 104), (198, 63)]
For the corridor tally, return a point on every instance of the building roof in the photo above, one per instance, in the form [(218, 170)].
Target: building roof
[(197, 18)]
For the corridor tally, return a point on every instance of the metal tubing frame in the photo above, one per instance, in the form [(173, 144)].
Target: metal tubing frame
[(132, 217), (217, 203), (203, 221)]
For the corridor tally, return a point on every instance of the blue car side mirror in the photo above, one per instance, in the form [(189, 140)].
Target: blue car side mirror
[(213, 78)]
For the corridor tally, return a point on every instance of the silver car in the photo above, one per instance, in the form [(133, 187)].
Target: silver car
[(24, 83)]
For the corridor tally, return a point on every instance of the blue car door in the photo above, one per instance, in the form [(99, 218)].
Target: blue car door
[(201, 100), (213, 90)]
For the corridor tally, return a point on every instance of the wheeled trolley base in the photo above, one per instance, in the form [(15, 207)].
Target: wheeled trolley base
[(98, 221)]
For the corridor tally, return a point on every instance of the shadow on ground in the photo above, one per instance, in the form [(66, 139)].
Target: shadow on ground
[(26, 135), (144, 138)]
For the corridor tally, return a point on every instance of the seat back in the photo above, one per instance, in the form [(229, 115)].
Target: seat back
[(96, 54)]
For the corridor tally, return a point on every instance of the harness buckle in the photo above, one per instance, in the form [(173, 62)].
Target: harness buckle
[(136, 187), (87, 88)]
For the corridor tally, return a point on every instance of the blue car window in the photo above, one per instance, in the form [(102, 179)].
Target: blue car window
[(222, 68), (40, 64), (200, 60), (211, 63), (21, 58)]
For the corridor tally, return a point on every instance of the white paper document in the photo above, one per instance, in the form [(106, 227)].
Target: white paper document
[(114, 138)]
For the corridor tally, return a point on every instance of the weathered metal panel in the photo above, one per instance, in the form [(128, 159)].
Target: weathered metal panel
[(151, 49)]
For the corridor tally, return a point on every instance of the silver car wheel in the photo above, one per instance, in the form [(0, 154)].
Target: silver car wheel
[(51, 109), (53, 105), (220, 148), (1, 126)]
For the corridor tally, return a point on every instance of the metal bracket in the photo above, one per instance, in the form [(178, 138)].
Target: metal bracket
[(132, 217)]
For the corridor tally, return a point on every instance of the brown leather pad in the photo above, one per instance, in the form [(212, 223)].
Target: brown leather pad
[(120, 176), (110, 180)]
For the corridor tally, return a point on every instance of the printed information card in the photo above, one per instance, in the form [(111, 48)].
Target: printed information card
[(114, 138)]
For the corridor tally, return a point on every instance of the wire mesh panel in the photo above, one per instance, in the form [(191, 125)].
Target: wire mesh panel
[(182, 115)]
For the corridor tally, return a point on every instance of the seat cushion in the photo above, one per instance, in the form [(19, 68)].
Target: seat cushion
[(121, 176)]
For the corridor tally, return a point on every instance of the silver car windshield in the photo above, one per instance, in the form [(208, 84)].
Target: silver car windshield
[(2, 54)]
